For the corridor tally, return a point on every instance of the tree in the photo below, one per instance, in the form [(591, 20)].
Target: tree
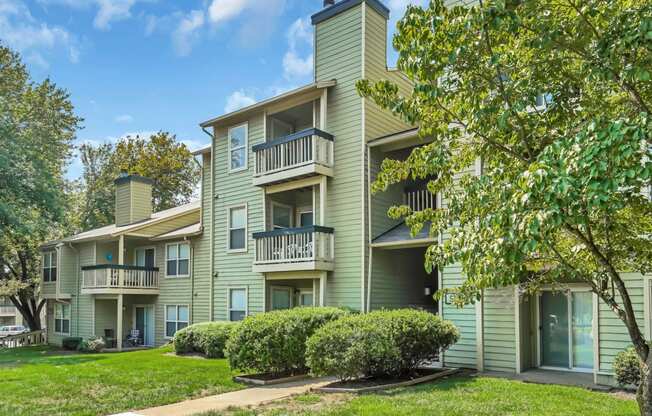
[(554, 98), (161, 158), (37, 127)]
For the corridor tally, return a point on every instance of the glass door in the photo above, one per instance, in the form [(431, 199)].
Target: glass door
[(281, 298), (582, 331), (554, 330), (145, 324), (145, 257)]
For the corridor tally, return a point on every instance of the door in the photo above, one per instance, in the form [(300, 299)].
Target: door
[(145, 324), (145, 257), (281, 298), (566, 330)]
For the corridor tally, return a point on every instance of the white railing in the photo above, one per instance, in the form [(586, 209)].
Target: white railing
[(22, 340), (110, 276), (311, 146), (7, 311), (292, 245), (419, 199)]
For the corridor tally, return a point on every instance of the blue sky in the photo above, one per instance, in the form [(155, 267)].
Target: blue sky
[(139, 66)]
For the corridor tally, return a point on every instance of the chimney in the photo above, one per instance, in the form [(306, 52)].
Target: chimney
[(133, 199), (329, 3)]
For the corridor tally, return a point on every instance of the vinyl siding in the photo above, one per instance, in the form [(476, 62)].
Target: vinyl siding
[(499, 330), (141, 201), (123, 204)]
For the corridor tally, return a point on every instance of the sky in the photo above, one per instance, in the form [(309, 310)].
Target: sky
[(134, 67)]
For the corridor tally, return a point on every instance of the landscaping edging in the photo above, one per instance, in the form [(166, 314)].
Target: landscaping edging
[(429, 377), (250, 379)]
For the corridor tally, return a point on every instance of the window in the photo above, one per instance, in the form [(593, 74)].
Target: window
[(237, 304), (306, 219), (176, 318), (62, 318), (177, 260), (305, 298), (281, 297), (238, 148), (50, 266), (145, 257), (281, 216), (237, 229)]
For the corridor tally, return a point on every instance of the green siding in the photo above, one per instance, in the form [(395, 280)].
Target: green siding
[(499, 331)]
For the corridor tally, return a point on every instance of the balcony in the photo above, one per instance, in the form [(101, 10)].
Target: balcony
[(119, 279), (7, 311), (419, 198), (292, 249), (305, 153)]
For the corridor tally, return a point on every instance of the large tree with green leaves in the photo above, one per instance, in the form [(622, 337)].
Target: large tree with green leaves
[(554, 98), (37, 128), (161, 157)]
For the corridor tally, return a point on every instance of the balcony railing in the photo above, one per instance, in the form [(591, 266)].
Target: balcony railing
[(109, 276), (303, 248), (310, 149), (419, 199), (7, 311)]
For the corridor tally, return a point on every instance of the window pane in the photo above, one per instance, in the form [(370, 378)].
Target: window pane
[(172, 252), (238, 158), (238, 299), (53, 262), (183, 313), (282, 216), (140, 257), (46, 260), (237, 239), (237, 137), (183, 267), (280, 299), (236, 315), (53, 274), (46, 275), (170, 329), (306, 299), (66, 326), (57, 325), (65, 311), (306, 219), (181, 325), (57, 310), (172, 268), (238, 219), (170, 313), (184, 251)]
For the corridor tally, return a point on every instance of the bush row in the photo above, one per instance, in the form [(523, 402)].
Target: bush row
[(208, 338)]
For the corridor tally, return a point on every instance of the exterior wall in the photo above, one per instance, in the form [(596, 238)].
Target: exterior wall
[(123, 204), (499, 330), (133, 202)]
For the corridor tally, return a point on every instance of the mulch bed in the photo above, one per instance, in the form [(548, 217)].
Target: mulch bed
[(373, 384)]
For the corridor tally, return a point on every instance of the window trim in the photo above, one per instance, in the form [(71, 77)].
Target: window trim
[(178, 276), (165, 318), (52, 254), (228, 301), (228, 228), (282, 205), (146, 248), (245, 166), (54, 329)]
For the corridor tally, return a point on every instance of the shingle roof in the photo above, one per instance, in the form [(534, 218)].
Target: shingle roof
[(192, 229)]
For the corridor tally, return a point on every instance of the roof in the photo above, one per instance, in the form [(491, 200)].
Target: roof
[(114, 231), (393, 137), (401, 233), (301, 90), (190, 230), (345, 5), (202, 150)]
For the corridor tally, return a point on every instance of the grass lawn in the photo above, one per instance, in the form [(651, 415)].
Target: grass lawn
[(459, 396), (41, 381)]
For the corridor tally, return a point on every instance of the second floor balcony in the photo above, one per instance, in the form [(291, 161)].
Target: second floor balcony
[(305, 153), (116, 279), (288, 249)]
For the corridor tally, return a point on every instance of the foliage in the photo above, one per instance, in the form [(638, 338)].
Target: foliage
[(379, 344), (161, 158), (275, 342), (93, 344), (564, 187), (71, 343), (37, 129), (208, 338), (627, 367)]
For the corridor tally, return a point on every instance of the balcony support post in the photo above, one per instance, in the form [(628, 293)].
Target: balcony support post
[(119, 323), (121, 260), (322, 200), (322, 288)]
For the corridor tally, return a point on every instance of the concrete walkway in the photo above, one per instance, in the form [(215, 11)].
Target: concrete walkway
[(254, 396)]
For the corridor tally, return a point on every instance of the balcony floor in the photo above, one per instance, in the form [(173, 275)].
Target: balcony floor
[(293, 266), (294, 173)]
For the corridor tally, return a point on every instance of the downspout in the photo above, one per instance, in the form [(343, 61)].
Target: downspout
[(77, 267), (192, 248), (210, 230)]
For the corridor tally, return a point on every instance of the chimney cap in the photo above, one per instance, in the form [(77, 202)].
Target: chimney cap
[(328, 3), (125, 177)]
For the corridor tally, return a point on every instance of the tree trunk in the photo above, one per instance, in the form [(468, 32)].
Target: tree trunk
[(31, 315), (644, 392)]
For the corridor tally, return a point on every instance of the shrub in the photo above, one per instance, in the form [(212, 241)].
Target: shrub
[(208, 338), (627, 367), (71, 343), (92, 344), (275, 342), (378, 344)]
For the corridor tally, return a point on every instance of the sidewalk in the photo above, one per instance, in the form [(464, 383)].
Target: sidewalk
[(254, 396)]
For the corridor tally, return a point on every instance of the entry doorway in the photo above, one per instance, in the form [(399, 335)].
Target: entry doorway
[(145, 256), (144, 323), (566, 330)]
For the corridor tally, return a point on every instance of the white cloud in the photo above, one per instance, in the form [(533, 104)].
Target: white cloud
[(21, 31), (238, 99), (299, 36), (124, 118), (112, 10), (186, 33), (223, 10)]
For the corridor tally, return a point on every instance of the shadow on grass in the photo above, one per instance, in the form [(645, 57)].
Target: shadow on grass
[(43, 355), (453, 382)]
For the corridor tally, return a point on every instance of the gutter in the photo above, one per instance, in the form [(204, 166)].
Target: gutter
[(210, 229)]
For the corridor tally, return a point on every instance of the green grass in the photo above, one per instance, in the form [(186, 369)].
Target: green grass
[(39, 381), (459, 396)]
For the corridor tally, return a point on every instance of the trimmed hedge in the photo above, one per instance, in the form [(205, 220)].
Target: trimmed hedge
[(379, 344), (208, 338), (627, 367), (275, 342), (71, 343)]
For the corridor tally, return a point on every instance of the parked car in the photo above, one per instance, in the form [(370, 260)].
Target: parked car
[(9, 330)]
